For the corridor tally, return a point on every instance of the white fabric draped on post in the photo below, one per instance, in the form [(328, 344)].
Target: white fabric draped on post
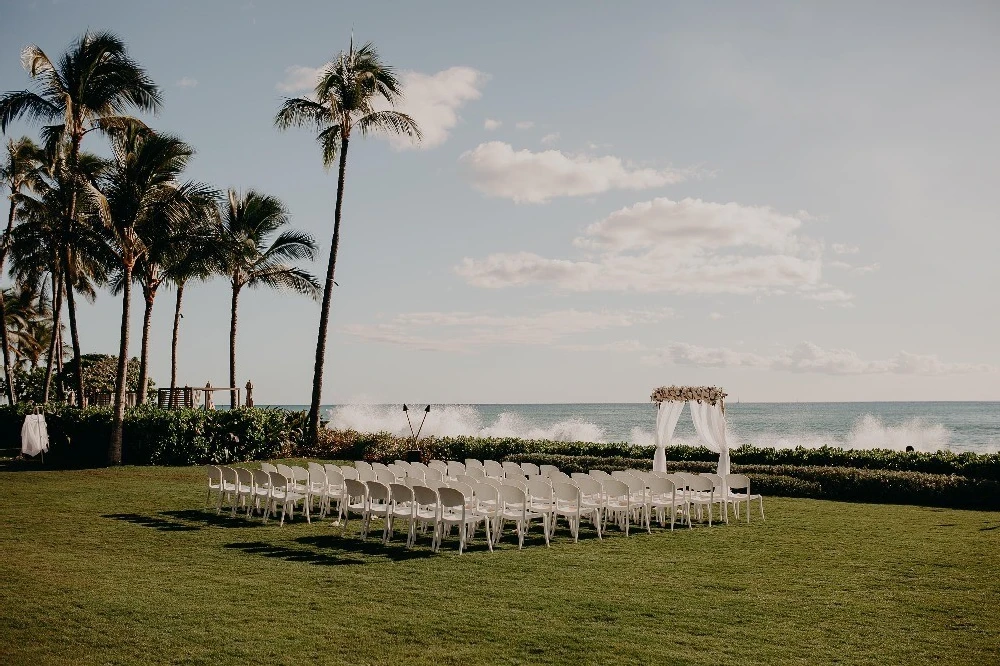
[(667, 414), (34, 435), (710, 424)]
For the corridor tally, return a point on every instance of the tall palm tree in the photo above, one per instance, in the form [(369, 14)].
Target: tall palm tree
[(166, 245), (196, 257), (137, 196), (347, 98), (91, 87), (246, 258), (18, 170)]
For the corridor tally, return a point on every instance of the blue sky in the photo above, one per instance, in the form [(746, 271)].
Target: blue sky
[(794, 201)]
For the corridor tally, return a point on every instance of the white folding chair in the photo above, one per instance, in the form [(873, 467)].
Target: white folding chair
[(214, 482), (268, 467), (664, 496), (639, 499), (244, 490), (378, 506), (493, 469), (455, 469), (261, 490), (701, 494), (227, 489), (356, 502), (349, 472), (617, 501), (742, 482), (529, 469), (363, 465), (546, 470), (514, 507), (283, 493), (301, 485), (513, 469), (542, 501), (440, 466), (569, 503), (455, 511), (401, 507), (471, 464), (427, 511)]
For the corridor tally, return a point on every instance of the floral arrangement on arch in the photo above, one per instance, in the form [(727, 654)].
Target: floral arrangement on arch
[(710, 394)]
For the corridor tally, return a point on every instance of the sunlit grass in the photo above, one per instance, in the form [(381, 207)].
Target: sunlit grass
[(124, 566)]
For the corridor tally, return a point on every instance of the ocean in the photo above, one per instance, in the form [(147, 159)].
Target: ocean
[(926, 426)]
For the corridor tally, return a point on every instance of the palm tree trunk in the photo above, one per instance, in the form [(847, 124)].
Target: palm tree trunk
[(147, 319), (115, 447), (74, 157), (324, 317), (56, 316), (60, 388), (4, 337), (232, 348), (73, 332), (173, 343)]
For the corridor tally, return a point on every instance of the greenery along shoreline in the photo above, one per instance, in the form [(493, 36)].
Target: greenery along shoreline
[(188, 437)]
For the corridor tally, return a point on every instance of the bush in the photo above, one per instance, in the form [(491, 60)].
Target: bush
[(79, 437)]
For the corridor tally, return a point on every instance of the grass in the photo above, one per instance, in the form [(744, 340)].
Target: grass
[(122, 566)]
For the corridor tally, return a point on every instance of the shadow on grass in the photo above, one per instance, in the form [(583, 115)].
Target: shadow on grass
[(210, 518), (151, 521), (372, 546), (292, 554)]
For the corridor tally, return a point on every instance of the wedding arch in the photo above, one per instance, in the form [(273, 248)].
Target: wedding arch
[(708, 412)]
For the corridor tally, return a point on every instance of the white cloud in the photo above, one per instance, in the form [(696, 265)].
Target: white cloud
[(524, 124), (496, 169), (716, 316), (685, 247), (807, 357), (840, 248), (300, 79), (550, 138), (857, 270), (463, 331), (432, 100), (187, 82), (491, 124)]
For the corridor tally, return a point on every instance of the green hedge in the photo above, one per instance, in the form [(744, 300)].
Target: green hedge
[(79, 438), (384, 447)]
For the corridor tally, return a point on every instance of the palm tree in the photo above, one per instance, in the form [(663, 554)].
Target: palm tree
[(245, 257), (346, 98), (19, 169), (195, 258), (91, 87), (137, 196)]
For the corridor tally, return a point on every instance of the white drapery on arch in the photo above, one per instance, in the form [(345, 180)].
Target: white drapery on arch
[(708, 415)]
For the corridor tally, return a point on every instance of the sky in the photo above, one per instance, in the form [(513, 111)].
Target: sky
[(794, 201)]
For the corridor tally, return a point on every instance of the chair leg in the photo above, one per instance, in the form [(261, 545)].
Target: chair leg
[(761, 500)]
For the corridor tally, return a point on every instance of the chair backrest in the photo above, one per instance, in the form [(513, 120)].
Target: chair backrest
[(679, 481), (660, 486), (516, 483), (588, 485), (400, 493), (401, 463), (355, 488), (244, 477), (434, 484), (361, 464), (493, 469), (514, 473), (455, 468), (546, 470), (561, 477), (463, 488), (451, 497), (738, 482), (439, 465), (715, 479), (472, 463), (634, 483), (349, 472), (385, 476), (639, 474), (377, 466), (317, 475), (367, 475), (416, 473), (512, 495), (433, 474), (566, 492), (490, 481), (214, 474), (268, 467), (261, 479), (486, 493), (615, 488), (228, 474), (315, 466), (378, 491), (512, 468), (475, 472), (425, 496), (466, 479), (285, 471), (399, 471), (300, 474), (700, 484), (418, 465), (539, 489), (334, 477), (529, 469), (576, 476), (278, 482), (599, 474)]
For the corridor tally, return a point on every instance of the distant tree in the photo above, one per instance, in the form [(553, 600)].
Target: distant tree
[(345, 99)]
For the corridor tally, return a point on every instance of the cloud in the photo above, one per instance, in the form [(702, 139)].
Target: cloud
[(524, 124), (299, 79), (491, 124), (496, 169), (432, 100), (716, 316), (857, 270), (187, 82), (840, 248), (807, 357), (682, 247), (550, 138), (464, 331)]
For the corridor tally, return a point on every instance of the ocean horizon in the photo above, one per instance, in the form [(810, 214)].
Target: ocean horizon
[(958, 426)]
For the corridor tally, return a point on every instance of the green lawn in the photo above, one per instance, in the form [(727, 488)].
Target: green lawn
[(123, 566)]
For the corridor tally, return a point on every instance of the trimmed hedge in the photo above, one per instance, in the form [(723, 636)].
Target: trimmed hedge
[(79, 438), (385, 447)]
